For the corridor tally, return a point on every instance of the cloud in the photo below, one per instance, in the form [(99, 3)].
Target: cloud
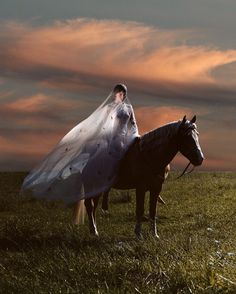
[(5, 94), (31, 125), (87, 55), (76, 50), (40, 111), (39, 102), (27, 144), (149, 117), (217, 143), (226, 73)]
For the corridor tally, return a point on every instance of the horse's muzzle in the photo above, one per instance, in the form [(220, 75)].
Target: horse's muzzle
[(198, 158)]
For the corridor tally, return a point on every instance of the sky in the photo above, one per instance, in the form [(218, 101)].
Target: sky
[(60, 59)]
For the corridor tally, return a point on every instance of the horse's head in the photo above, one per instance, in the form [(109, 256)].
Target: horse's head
[(188, 143)]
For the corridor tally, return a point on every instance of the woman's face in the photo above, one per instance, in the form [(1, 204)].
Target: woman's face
[(119, 97)]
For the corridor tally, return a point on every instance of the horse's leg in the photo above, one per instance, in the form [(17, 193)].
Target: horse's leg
[(95, 205), (140, 195), (90, 211), (166, 173), (154, 194), (105, 201)]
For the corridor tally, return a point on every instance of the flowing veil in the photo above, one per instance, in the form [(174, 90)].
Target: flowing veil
[(85, 162)]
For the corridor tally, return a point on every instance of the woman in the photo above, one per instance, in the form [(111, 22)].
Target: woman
[(125, 129), (84, 163)]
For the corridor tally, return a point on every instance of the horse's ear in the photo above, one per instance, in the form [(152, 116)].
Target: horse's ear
[(193, 120), (184, 120)]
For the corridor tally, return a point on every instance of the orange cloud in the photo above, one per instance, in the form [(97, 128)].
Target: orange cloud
[(31, 126), (84, 53), (28, 144), (149, 117), (35, 143), (106, 48), (39, 102), (213, 141), (39, 113)]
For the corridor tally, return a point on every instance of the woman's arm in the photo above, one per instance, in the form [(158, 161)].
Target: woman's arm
[(134, 123)]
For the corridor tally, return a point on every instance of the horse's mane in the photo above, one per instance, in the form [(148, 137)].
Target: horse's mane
[(155, 138)]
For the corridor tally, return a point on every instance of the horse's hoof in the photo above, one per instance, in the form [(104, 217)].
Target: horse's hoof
[(156, 236), (105, 212), (153, 230), (139, 236), (95, 233), (138, 232), (145, 218)]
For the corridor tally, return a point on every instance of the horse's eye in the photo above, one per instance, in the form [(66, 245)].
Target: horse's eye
[(188, 132)]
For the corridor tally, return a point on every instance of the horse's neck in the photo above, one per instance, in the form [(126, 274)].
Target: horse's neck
[(161, 145)]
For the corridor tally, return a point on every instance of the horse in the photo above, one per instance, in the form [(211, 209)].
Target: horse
[(105, 195), (143, 168)]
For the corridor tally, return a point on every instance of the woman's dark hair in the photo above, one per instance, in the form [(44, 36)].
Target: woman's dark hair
[(120, 88)]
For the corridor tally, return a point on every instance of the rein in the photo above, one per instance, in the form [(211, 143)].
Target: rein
[(184, 172)]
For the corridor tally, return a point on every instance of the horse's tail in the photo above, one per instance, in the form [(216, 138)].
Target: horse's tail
[(167, 169), (79, 213)]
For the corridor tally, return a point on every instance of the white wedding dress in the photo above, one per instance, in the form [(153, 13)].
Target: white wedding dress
[(85, 161)]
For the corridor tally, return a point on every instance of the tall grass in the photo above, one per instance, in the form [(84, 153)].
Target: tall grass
[(42, 252)]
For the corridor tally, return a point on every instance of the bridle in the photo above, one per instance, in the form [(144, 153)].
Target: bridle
[(184, 172)]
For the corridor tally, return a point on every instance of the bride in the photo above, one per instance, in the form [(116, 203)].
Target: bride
[(85, 162)]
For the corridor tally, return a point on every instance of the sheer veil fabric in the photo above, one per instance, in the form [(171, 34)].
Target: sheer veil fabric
[(85, 162)]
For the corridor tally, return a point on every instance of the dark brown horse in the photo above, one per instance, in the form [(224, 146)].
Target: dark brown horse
[(144, 166), (105, 195)]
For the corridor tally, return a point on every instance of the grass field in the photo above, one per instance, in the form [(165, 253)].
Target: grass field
[(42, 252)]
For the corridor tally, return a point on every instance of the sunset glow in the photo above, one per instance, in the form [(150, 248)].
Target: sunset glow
[(55, 74)]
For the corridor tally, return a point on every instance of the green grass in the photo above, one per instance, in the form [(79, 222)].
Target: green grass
[(42, 252)]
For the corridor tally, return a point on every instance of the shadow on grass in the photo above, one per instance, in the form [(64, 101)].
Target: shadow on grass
[(72, 241)]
